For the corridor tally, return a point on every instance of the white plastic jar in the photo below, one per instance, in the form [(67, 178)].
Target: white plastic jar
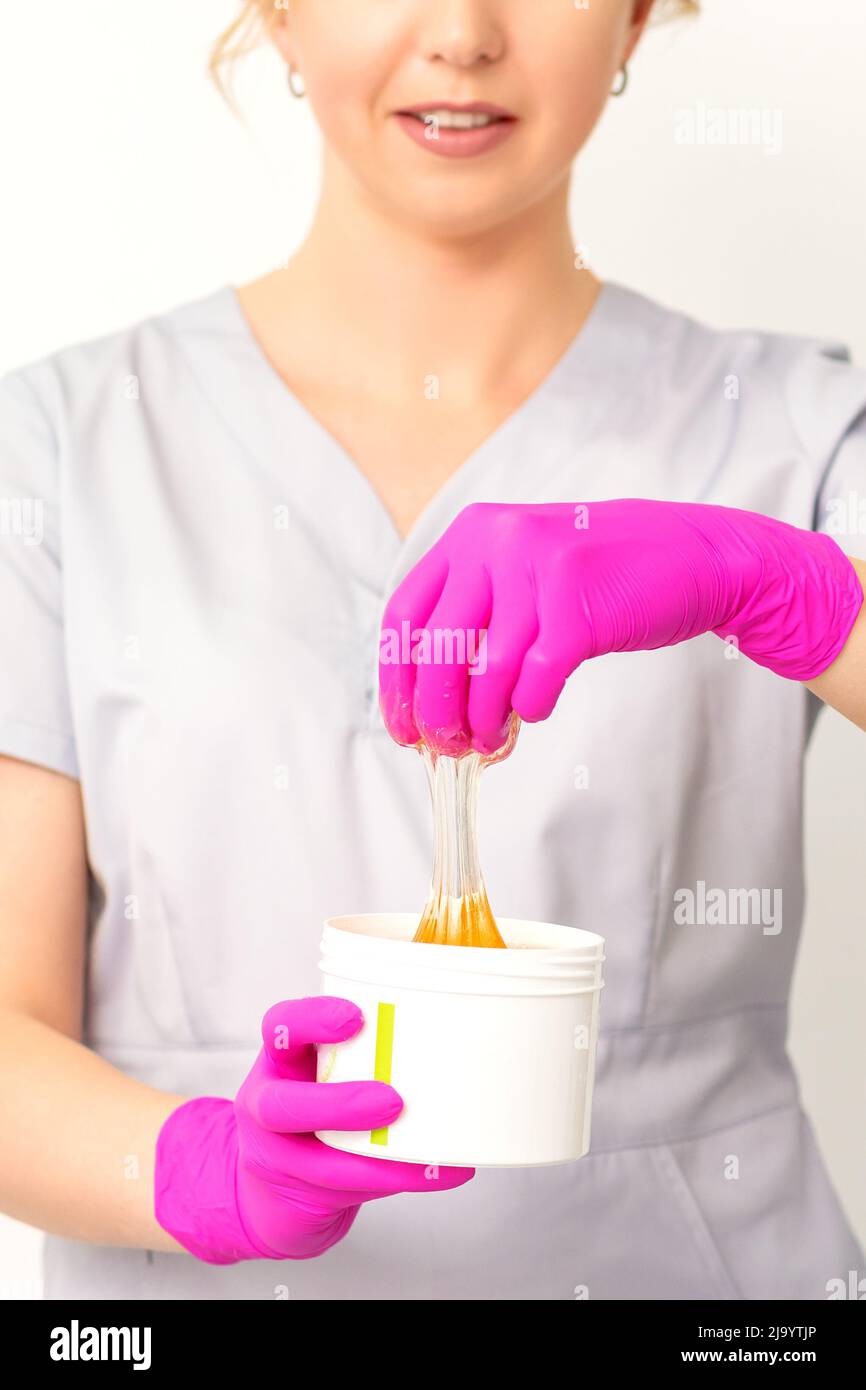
[(492, 1051)]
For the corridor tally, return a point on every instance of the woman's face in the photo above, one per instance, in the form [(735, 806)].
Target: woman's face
[(548, 63)]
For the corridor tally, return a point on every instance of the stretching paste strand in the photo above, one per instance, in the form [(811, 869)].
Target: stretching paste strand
[(457, 911)]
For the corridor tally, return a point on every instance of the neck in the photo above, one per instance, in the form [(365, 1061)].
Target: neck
[(486, 311)]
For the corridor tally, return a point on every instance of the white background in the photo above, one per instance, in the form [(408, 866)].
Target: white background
[(128, 187)]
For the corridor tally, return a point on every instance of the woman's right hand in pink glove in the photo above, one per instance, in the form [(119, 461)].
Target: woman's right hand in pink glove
[(248, 1179), (550, 585)]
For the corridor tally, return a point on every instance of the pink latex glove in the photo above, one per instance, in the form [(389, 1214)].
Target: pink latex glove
[(248, 1179), (555, 584)]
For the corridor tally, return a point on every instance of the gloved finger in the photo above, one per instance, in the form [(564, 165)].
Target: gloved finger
[(299, 1107), (511, 631), (330, 1200), (565, 639), (291, 1027), (455, 634), (305, 1156), (407, 611)]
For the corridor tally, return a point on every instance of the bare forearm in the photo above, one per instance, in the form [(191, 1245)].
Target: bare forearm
[(79, 1139), (843, 685)]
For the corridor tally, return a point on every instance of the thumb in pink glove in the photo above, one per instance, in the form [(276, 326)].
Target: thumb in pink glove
[(248, 1179), (549, 586)]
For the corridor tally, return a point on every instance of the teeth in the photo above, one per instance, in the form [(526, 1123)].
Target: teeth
[(456, 120)]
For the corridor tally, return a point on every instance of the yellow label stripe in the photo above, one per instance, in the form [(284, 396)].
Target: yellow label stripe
[(384, 1054)]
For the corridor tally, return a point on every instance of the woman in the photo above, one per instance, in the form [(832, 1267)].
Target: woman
[(197, 770)]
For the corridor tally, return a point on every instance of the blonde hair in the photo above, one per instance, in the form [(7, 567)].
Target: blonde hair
[(252, 25)]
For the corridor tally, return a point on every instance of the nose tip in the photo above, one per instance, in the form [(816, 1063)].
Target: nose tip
[(465, 36)]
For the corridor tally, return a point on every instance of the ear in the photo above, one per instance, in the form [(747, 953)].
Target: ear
[(641, 11), (278, 25)]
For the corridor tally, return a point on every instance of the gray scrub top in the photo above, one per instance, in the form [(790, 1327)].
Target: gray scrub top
[(192, 573)]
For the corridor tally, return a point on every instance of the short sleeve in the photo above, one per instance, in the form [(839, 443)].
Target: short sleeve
[(842, 496), (35, 716), (828, 401)]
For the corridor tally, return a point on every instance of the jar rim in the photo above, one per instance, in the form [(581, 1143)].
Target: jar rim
[(379, 946)]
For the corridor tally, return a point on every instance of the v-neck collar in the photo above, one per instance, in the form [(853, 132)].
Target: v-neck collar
[(313, 470), (578, 355), (543, 446)]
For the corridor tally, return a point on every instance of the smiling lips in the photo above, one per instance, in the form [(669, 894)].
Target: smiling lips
[(457, 131)]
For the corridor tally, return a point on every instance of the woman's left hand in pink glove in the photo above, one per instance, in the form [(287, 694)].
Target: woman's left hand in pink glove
[(521, 595)]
